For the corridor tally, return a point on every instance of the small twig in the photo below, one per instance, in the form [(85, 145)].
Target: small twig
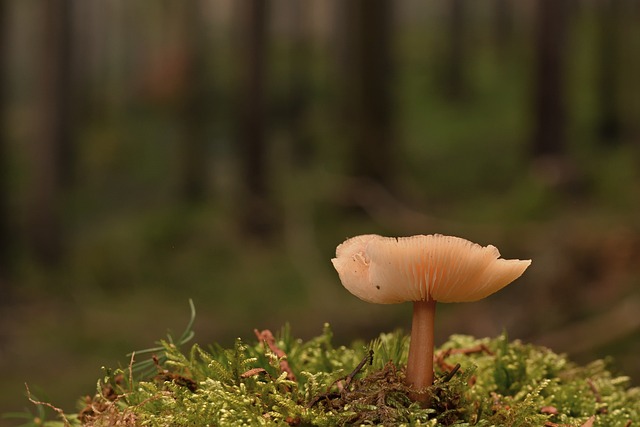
[(589, 422), (59, 411), (597, 395), (267, 337), (451, 373), (549, 410), (156, 363), (367, 359), (347, 379), (552, 424), (480, 348), (441, 356), (452, 369), (318, 398), (594, 390), (133, 355), (253, 372), (166, 375)]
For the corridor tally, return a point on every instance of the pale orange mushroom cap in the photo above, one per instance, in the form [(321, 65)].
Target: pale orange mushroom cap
[(387, 270)]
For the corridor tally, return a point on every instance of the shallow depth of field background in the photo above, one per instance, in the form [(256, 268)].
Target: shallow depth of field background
[(219, 150)]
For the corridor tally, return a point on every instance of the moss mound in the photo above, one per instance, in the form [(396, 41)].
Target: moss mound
[(284, 381)]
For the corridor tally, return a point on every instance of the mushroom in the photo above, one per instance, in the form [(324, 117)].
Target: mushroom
[(423, 269)]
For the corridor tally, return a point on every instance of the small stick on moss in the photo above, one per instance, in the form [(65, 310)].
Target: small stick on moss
[(480, 348), (59, 411), (451, 373), (133, 355), (442, 355), (166, 375), (598, 396), (589, 422), (267, 337), (367, 359), (347, 380), (549, 410), (253, 372)]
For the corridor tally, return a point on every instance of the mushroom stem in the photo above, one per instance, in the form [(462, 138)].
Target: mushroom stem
[(420, 361)]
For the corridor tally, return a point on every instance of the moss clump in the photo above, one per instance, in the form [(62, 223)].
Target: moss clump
[(285, 381)]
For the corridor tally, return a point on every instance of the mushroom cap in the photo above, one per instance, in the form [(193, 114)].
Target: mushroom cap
[(388, 270)]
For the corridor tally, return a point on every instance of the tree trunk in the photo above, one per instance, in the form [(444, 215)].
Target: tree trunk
[(503, 25), (257, 214), (52, 155), (548, 145), (194, 108), (455, 77), (299, 88), (369, 89), (609, 126), (66, 153), (6, 237)]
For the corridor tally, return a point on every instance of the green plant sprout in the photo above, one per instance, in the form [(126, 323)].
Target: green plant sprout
[(147, 365), (478, 382)]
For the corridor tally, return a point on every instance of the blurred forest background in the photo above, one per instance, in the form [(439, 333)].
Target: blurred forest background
[(154, 151)]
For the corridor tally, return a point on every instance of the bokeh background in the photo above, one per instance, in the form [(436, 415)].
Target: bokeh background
[(154, 151)]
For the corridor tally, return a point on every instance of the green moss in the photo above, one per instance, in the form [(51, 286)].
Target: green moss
[(481, 382)]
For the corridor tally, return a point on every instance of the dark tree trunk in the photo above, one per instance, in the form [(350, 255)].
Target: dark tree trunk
[(66, 153), (52, 155), (550, 160), (257, 211), (194, 108), (60, 34), (455, 77), (503, 24), (549, 138), (6, 237), (299, 89), (609, 126), (369, 89)]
